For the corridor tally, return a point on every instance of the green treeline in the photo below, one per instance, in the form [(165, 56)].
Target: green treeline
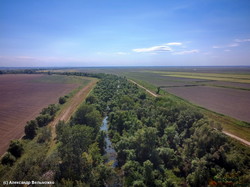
[(50, 72), (164, 142), (46, 116), (159, 142)]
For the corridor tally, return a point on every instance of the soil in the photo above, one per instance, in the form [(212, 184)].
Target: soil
[(231, 102), (22, 100)]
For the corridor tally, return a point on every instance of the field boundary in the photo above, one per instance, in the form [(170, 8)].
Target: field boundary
[(22, 100), (245, 142), (70, 109)]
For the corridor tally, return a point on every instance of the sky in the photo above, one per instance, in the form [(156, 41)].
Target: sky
[(86, 33)]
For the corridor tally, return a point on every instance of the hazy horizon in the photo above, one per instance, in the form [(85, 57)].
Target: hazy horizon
[(53, 33)]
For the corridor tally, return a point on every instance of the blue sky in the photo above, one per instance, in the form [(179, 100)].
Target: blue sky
[(124, 32)]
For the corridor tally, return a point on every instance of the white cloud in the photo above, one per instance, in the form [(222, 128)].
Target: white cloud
[(174, 43), (242, 40), (160, 48), (186, 52), (226, 46), (227, 50), (217, 47), (233, 45), (121, 53), (207, 53)]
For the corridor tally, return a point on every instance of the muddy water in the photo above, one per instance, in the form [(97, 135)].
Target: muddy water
[(110, 152)]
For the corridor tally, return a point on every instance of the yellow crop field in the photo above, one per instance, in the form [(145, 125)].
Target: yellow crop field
[(240, 78)]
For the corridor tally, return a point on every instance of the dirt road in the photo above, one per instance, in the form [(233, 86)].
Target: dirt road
[(237, 138), (70, 108), (245, 142), (151, 93)]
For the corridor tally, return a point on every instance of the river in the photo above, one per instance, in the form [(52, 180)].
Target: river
[(110, 152)]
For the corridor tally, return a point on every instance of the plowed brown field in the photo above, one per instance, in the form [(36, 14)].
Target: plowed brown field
[(22, 100), (231, 102)]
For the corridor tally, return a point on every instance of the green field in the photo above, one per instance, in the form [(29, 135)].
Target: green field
[(240, 78)]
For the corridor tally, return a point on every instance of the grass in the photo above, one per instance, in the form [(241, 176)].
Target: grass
[(148, 86), (32, 150), (231, 125), (227, 79), (75, 91), (225, 75)]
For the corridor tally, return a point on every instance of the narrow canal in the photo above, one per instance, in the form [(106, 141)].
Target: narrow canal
[(110, 152)]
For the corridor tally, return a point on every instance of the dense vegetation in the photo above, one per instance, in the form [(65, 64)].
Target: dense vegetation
[(79, 149), (159, 142), (163, 142)]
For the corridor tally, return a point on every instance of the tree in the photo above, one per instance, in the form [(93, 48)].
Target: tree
[(30, 129), (51, 110), (8, 159), (145, 141), (80, 115), (158, 90), (88, 115), (75, 141), (200, 176), (43, 120), (16, 148), (91, 99), (133, 172), (59, 128), (148, 173), (143, 96), (62, 100), (45, 135)]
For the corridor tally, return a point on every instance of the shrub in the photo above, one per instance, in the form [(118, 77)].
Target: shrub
[(45, 135), (8, 159), (16, 148), (62, 100), (51, 110), (91, 99), (43, 120), (30, 129)]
